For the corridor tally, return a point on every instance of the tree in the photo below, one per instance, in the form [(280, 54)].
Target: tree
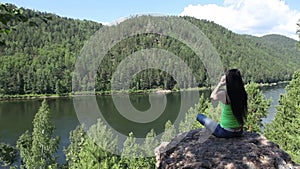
[(149, 145), (86, 151), (10, 13), (284, 129), (169, 132), (204, 106), (8, 154), (11, 16), (129, 155), (92, 149), (40, 59), (24, 144), (77, 139), (258, 107), (37, 148), (190, 122), (95, 157), (133, 156)]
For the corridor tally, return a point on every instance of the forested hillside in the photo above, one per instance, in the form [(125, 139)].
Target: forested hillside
[(267, 59), (39, 59)]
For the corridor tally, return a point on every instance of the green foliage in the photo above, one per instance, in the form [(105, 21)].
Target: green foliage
[(24, 144), (94, 156), (96, 148), (169, 132), (148, 147), (129, 156), (77, 138), (213, 112), (9, 14), (204, 106), (40, 59), (284, 129), (8, 154), (37, 149), (258, 107), (135, 156), (150, 144), (190, 122), (261, 59), (93, 149)]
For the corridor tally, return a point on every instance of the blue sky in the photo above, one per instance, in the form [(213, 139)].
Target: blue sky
[(255, 17), (108, 11)]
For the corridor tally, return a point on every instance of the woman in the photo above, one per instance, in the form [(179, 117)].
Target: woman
[(233, 102)]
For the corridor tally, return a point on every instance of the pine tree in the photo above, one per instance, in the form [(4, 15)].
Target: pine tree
[(94, 149), (285, 128), (258, 107), (135, 156), (150, 143), (37, 149), (130, 154), (24, 144), (77, 139), (8, 154), (190, 122), (169, 132), (204, 106), (93, 156)]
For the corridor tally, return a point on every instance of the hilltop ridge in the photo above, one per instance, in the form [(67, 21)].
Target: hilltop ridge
[(40, 59)]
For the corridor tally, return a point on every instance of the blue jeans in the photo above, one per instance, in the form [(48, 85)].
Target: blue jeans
[(216, 128)]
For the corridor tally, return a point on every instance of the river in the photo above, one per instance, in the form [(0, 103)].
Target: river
[(16, 116)]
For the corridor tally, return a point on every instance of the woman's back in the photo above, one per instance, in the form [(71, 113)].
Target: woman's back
[(233, 101), (228, 120)]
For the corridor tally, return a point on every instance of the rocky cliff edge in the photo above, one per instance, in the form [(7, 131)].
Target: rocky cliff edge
[(252, 150)]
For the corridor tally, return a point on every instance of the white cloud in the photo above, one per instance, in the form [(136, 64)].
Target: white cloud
[(105, 23), (255, 17)]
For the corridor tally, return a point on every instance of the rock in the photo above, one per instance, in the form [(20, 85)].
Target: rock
[(252, 151), (161, 91)]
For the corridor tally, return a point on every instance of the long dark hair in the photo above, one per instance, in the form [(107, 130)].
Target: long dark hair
[(237, 94)]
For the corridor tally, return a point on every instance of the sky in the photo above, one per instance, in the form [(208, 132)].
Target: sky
[(254, 17)]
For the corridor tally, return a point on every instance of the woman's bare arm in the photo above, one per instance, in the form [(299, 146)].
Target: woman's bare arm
[(217, 94)]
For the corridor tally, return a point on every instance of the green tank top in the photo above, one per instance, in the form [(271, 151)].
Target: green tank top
[(227, 118)]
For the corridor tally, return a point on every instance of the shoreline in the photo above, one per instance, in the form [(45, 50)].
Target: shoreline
[(108, 93), (104, 93), (272, 84)]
